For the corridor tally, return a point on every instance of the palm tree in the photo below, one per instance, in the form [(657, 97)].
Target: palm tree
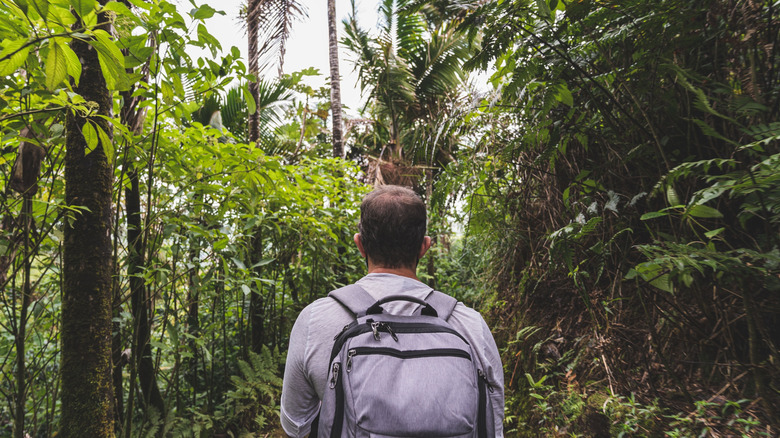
[(413, 74), (335, 81), (268, 21)]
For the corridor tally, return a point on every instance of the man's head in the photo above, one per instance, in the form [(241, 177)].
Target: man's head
[(392, 227)]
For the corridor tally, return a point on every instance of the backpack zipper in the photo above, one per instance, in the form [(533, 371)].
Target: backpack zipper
[(353, 329), (404, 354)]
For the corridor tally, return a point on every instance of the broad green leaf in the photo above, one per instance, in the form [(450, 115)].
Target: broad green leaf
[(167, 92), (56, 65), (203, 12), (112, 62), (704, 211), (22, 5), (671, 196), (90, 136), (653, 215), (544, 9), (83, 7), (250, 100), (108, 145), (13, 56), (564, 95), (712, 233), (664, 283), (110, 47), (262, 262), (108, 67), (208, 39), (120, 9), (239, 263), (72, 62)]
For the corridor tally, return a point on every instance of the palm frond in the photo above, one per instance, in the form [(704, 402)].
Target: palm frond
[(274, 23)]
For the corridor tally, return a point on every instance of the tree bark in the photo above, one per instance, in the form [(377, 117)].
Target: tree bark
[(253, 60), (256, 316), (142, 349), (335, 81), (193, 321), (21, 329), (87, 397), (256, 309)]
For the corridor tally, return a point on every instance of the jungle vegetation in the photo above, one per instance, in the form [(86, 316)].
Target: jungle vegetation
[(603, 181)]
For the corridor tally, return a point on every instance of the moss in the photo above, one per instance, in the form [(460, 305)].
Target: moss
[(87, 392)]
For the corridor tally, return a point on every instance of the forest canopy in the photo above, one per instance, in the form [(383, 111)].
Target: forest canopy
[(608, 198)]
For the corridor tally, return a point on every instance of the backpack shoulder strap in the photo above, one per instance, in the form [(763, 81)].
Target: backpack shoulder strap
[(354, 298), (443, 303)]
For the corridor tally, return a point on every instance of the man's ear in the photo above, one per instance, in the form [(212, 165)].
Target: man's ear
[(359, 244), (426, 245)]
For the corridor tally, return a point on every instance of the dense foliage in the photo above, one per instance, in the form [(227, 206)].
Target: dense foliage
[(629, 163), (603, 182)]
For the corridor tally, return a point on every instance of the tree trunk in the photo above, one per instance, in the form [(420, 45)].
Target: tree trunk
[(142, 350), (253, 59), (335, 81), (431, 266), (193, 321), (87, 397), (21, 329), (256, 311)]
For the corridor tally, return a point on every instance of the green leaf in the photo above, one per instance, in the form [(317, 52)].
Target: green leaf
[(250, 101), (112, 62), (713, 233), (203, 12), (664, 283), (262, 262), (13, 56), (653, 215), (22, 5), (563, 95), (72, 62), (90, 136), (56, 65), (544, 9), (120, 9), (699, 210), (83, 7), (109, 47), (239, 263), (108, 145), (42, 6), (671, 196)]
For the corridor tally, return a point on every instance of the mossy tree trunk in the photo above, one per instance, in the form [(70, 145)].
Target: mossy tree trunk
[(87, 394)]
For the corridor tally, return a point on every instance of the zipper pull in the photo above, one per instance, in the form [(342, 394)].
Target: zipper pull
[(482, 376), (389, 329), (336, 367), (375, 329), (350, 354)]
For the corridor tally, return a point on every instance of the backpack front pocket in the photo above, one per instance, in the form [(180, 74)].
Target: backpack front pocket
[(395, 392)]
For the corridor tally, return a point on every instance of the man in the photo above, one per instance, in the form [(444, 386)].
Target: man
[(392, 239)]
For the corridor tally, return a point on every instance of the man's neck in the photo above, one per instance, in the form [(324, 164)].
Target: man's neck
[(403, 271)]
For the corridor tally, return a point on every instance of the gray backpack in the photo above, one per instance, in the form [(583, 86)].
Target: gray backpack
[(401, 375)]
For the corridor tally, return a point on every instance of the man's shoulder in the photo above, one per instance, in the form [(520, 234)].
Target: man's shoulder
[(469, 319), (325, 312)]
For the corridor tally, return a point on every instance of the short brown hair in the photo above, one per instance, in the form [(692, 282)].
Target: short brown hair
[(392, 226)]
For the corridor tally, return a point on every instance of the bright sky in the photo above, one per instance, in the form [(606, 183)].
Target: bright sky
[(308, 45)]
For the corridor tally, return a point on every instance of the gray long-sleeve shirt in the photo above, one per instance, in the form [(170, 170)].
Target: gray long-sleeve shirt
[(311, 340)]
